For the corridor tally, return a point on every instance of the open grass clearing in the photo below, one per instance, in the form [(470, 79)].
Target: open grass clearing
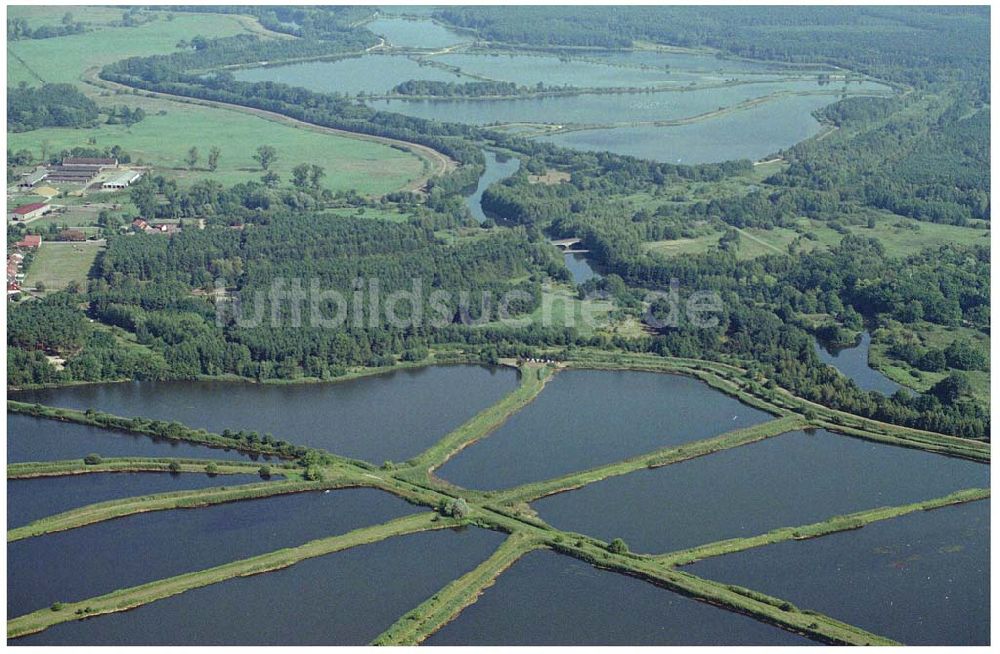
[(58, 263)]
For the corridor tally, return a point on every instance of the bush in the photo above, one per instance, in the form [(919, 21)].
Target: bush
[(174, 466), (93, 459), (618, 546), (264, 472), (212, 469)]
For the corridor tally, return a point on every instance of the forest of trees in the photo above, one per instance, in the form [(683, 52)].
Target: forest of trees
[(49, 105), (922, 155)]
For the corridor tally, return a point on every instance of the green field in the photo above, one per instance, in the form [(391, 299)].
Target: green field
[(172, 128), (900, 236), (57, 264), (65, 58), (163, 141)]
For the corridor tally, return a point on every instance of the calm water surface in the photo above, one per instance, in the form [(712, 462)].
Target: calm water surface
[(38, 439), (600, 108), (406, 33), (31, 499), (99, 558), (751, 133), (496, 171), (853, 362), (579, 267), (921, 579), (548, 599), (391, 416), (367, 74), (585, 418), (346, 598), (792, 479)]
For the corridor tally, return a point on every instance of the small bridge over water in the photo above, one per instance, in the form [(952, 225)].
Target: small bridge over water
[(569, 245)]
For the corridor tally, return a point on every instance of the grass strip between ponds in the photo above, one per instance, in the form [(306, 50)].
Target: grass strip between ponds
[(736, 382), (666, 456), (69, 467), (445, 605), (817, 529), (765, 608), (186, 499), (130, 598), (531, 383)]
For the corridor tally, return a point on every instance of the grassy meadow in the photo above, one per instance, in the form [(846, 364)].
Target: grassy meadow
[(57, 264), (172, 128)]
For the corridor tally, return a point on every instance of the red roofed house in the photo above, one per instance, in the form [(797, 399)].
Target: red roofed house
[(30, 211), (30, 241)]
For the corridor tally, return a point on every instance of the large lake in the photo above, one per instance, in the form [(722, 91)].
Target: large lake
[(606, 108), (921, 579), (390, 416), (788, 480), (548, 599), (620, 118), (585, 418), (345, 598), (97, 559)]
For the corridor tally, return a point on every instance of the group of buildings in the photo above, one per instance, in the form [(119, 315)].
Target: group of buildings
[(15, 263), (82, 170), (168, 229)]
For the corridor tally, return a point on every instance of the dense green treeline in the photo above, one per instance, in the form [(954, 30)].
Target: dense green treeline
[(915, 45), (49, 105), (922, 154), (476, 89)]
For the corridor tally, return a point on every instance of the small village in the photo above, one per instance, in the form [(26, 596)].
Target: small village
[(57, 220)]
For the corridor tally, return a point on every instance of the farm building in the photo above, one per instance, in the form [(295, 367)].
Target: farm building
[(122, 179), (34, 177), (89, 162), (30, 241), (30, 211), (75, 174)]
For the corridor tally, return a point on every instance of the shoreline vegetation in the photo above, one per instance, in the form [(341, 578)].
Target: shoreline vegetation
[(309, 469), (70, 467), (506, 510)]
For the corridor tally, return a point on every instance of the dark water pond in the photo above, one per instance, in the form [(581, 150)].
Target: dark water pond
[(853, 362), (391, 416), (37, 439), (548, 599), (93, 560), (579, 267), (586, 418), (31, 499), (345, 598), (921, 579), (788, 480), (496, 171)]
